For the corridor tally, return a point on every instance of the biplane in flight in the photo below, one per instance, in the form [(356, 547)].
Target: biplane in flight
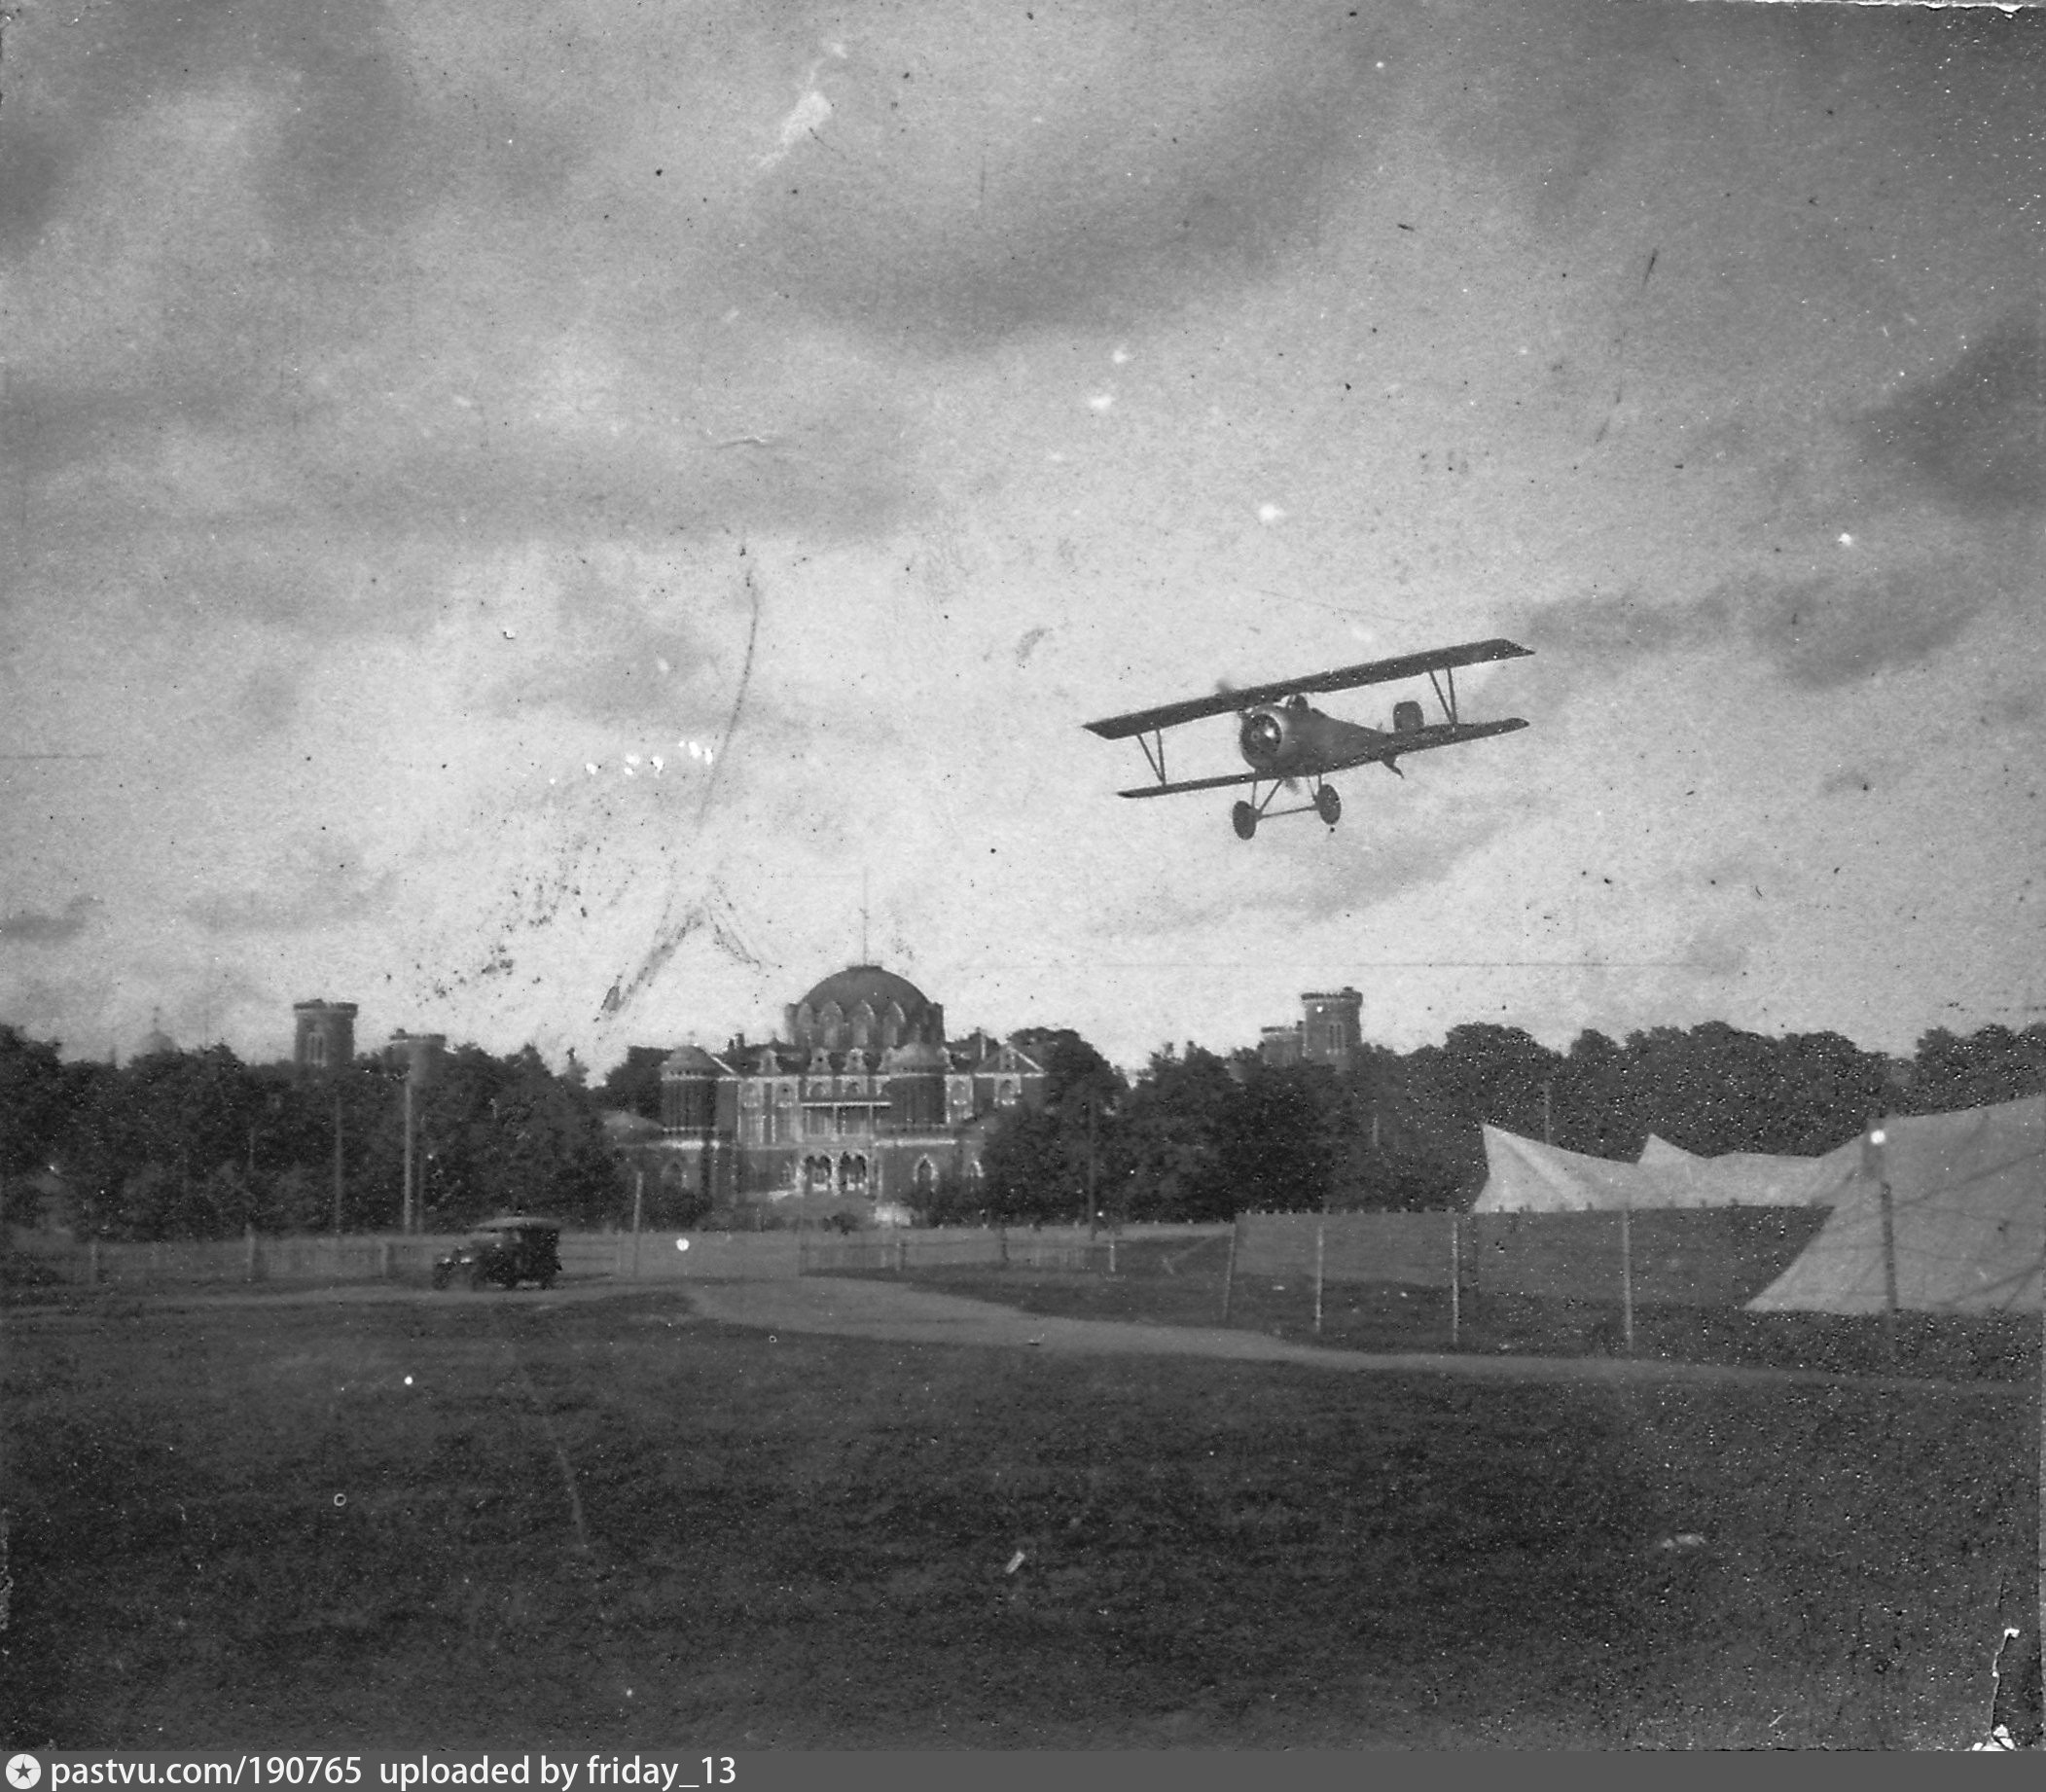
[(1285, 741)]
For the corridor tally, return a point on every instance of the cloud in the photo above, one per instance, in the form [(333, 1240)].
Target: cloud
[(289, 311), (31, 927), (313, 881), (1392, 840), (961, 174), (1973, 437), (1819, 631), (1824, 631)]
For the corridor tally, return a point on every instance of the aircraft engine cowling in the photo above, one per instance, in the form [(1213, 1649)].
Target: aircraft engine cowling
[(1267, 738)]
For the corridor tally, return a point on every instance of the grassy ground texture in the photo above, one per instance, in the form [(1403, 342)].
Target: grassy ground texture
[(1181, 1282), (518, 1520)]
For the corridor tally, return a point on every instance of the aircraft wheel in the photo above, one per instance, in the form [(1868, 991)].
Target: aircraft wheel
[(1245, 819), (1328, 804)]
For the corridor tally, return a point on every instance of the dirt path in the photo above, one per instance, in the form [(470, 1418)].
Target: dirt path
[(902, 1312), (906, 1314)]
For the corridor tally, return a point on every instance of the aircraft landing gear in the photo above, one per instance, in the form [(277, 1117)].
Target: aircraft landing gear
[(1244, 819), (1328, 804)]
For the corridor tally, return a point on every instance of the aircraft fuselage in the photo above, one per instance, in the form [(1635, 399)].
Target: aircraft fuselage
[(1295, 739)]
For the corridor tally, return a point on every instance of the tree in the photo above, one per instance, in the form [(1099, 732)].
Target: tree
[(1084, 1095), (1592, 1102), (1026, 1173), (1991, 1065), (1166, 1163), (507, 1134), (948, 1200), (634, 1085), (34, 1092), (1284, 1137)]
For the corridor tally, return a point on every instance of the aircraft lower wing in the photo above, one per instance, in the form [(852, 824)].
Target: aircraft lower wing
[(1197, 783), (1436, 735), (1391, 747)]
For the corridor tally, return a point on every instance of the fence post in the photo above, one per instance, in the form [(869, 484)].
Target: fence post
[(383, 1261), (248, 1262), (901, 1252), (1320, 1238), (93, 1262), (1111, 1256), (1001, 1247), (1229, 1269), (1456, 1278), (638, 1207)]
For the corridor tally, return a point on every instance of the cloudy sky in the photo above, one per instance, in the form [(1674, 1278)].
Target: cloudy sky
[(531, 517)]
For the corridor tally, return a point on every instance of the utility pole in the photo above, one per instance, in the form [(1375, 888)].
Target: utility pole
[(1874, 1164), (1094, 1212), (336, 1161), (405, 1208)]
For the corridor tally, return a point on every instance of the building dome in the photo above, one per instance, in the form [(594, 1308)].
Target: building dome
[(865, 1008)]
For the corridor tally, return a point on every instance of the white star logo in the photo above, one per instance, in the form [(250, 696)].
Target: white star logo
[(24, 1771)]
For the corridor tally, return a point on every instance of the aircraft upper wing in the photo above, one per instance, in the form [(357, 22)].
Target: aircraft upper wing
[(1342, 678)]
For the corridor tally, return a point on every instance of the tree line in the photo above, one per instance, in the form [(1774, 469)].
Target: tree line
[(199, 1144), (1200, 1136)]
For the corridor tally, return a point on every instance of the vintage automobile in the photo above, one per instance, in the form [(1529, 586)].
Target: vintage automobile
[(513, 1248)]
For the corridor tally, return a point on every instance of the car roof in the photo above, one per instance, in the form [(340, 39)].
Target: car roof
[(518, 1222)]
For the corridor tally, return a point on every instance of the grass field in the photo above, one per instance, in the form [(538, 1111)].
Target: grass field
[(606, 1522), (1180, 1283)]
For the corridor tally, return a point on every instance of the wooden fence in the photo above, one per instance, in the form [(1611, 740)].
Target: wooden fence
[(647, 1256), (1701, 1257)]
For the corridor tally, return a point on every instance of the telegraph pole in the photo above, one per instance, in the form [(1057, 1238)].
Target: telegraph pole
[(1875, 1163), (1093, 1211), (405, 1209)]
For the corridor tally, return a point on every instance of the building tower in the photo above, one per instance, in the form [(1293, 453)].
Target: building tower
[(1331, 1027), (326, 1036), (1279, 1047)]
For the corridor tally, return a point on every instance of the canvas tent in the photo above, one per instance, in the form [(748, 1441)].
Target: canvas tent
[(1526, 1176), (1968, 1221), (1661, 1151)]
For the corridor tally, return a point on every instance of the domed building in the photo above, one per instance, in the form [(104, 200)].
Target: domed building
[(865, 1104)]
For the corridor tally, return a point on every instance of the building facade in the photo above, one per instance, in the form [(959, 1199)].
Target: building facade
[(325, 1039), (1329, 1032), (864, 1104)]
